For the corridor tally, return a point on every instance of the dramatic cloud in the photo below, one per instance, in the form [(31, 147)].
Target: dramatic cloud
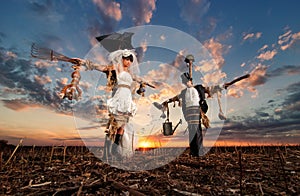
[(19, 75), (285, 70), (213, 78), (141, 11), (269, 121), (293, 96), (268, 55), (217, 50), (109, 8), (35, 83), (109, 14), (206, 66), (285, 41), (275, 119), (234, 92), (258, 75)]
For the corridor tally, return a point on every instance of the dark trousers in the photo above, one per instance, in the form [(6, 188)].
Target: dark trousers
[(193, 119)]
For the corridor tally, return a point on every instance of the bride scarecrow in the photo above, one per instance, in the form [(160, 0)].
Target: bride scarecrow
[(121, 106), (122, 75)]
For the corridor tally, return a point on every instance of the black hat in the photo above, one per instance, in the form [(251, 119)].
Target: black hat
[(189, 58)]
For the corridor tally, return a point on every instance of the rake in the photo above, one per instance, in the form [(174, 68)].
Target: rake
[(49, 54)]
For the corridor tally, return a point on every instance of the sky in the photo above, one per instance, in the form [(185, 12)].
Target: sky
[(260, 38)]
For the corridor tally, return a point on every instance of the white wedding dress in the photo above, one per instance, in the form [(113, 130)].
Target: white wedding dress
[(122, 102)]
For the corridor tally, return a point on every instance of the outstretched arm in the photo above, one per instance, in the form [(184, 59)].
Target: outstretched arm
[(143, 84), (72, 90), (141, 81), (49, 54), (89, 65), (226, 85)]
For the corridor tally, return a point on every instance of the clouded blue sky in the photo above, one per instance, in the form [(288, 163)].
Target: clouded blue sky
[(261, 38)]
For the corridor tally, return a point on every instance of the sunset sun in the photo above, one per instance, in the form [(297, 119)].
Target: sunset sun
[(145, 144)]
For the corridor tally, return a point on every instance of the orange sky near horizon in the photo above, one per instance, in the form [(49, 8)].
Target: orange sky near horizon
[(152, 143), (39, 127)]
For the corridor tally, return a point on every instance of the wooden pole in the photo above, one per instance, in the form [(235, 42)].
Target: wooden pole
[(65, 149), (52, 151), (16, 148), (191, 69)]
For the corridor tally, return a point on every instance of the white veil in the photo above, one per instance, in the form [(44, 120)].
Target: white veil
[(116, 59)]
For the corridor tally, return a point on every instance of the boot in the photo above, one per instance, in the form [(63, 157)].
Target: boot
[(118, 138)]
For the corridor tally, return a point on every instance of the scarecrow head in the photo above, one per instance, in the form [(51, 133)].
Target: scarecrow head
[(189, 58)]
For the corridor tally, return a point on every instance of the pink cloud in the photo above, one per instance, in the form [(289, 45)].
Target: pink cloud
[(141, 11), (217, 50), (13, 91), (206, 66), (268, 55), (42, 79), (263, 48), (234, 92), (252, 36), (288, 39), (213, 78), (110, 8), (18, 104), (11, 54), (63, 81), (43, 64), (257, 77)]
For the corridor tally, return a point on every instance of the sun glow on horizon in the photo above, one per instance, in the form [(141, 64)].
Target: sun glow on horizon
[(149, 142), (145, 144)]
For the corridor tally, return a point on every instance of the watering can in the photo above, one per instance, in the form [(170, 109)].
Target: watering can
[(167, 127)]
